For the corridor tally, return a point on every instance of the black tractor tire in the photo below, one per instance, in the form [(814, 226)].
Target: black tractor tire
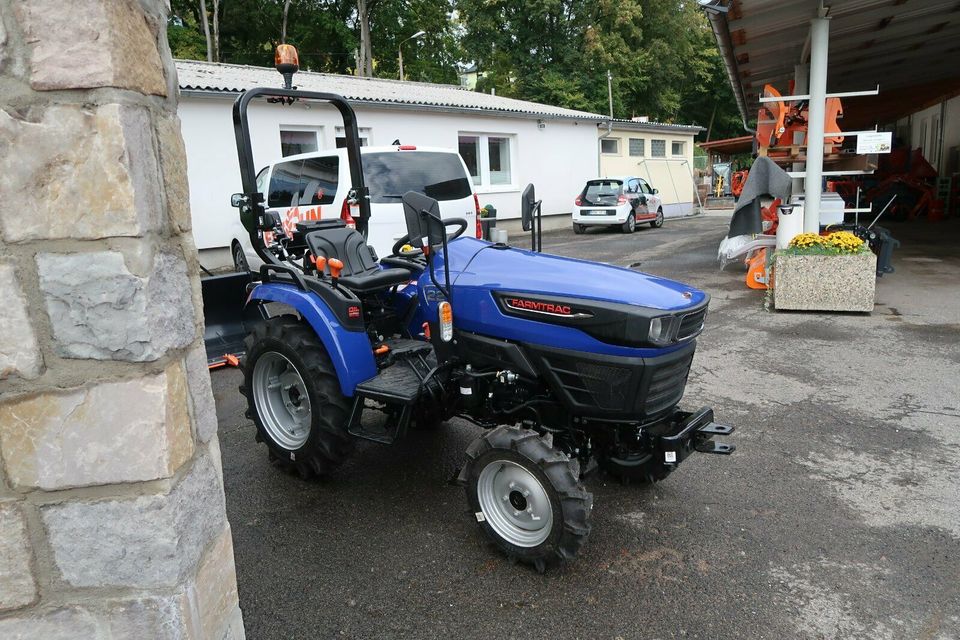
[(559, 478), (658, 221), (637, 468), (328, 443), (240, 263), (631, 224), (577, 228)]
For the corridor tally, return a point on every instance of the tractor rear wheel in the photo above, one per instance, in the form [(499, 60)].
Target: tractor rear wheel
[(527, 496), (294, 398)]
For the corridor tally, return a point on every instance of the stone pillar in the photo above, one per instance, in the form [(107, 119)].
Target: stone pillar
[(112, 518)]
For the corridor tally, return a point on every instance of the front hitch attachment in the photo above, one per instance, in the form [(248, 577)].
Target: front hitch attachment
[(694, 433)]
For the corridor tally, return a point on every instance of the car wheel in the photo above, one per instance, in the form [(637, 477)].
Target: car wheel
[(631, 224), (240, 263), (577, 228), (658, 221)]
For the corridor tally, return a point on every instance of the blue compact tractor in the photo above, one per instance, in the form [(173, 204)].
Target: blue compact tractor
[(565, 364)]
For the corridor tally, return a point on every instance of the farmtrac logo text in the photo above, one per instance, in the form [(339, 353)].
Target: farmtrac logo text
[(538, 306)]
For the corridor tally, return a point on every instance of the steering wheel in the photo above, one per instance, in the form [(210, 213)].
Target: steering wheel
[(397, 249)]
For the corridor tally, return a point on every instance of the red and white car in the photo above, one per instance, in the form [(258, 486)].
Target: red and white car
[(622, 202)]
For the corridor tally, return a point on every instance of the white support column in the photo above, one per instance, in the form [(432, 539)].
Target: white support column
[(819, 44), (801, 85)]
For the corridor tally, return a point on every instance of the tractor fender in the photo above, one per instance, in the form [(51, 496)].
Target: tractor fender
[(349, 351)]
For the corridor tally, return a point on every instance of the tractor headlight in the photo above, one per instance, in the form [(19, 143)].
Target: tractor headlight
[(662, 330)]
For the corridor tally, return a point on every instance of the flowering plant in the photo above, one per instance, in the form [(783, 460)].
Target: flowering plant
[(836, 243)]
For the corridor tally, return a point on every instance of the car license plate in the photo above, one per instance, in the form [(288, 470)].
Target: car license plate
[(596, 212)]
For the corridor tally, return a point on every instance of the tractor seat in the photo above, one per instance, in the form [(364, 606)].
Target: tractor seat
[(361, 271)]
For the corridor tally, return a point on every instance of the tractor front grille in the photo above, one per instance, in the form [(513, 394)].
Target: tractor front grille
[(691, 324), (609, 386)]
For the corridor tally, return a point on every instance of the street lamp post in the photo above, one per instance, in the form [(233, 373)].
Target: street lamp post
[(400, 49)]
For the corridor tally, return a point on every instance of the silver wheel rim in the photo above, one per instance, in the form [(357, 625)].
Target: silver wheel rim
[(631, 223), (659, 218), (515, 503), (281, 400)]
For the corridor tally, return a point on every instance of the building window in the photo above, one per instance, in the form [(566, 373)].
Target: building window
[(470, 152), (637, 147), (489, 158), (610, 145), (341, 137), (676, 148), (658, 148), (294, 141), (499, 156)]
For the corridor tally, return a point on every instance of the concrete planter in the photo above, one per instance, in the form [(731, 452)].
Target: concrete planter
[(825, 283)]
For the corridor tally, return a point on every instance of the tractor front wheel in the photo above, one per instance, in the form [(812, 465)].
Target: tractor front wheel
[(294, 398), (527, 496)]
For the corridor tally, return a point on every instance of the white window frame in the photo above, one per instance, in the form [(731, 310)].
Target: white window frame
[(683, 148), (366, 133), (299, 128), (610, 153), (483, 160)]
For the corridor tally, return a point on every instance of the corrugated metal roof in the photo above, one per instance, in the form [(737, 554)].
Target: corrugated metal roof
[(637, 125), (897, 44), (231, 78)]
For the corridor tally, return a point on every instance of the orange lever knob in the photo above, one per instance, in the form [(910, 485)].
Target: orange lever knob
[(336, 266), (321, 263)]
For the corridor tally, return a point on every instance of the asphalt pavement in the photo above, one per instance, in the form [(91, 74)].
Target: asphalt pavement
[(837, 517)]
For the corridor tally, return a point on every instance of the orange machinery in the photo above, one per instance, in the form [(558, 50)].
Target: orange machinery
[(778, 121)]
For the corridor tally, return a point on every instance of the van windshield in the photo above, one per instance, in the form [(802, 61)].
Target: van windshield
[(390, 174), (601, 192)]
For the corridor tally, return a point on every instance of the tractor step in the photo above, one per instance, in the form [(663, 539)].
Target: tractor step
[(398, 383), (393, 392)]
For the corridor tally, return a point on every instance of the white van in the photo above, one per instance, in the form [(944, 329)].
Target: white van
[(314, 186)]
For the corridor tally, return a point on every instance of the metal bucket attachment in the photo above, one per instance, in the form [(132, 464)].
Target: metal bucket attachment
[(228, 319)]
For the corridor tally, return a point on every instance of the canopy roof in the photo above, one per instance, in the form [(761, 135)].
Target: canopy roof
[(908, 47)]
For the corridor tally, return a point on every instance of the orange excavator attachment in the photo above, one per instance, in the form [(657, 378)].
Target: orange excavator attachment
[(770, 119), (757, 270)]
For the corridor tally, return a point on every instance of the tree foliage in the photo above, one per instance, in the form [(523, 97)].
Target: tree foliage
[(660, 53)]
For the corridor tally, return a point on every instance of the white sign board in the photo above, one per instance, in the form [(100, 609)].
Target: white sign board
[(874, 142)]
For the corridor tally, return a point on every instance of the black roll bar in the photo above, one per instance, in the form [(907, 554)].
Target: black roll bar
[(254, 218)]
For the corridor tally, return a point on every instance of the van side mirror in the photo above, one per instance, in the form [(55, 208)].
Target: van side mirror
[(528, 201)]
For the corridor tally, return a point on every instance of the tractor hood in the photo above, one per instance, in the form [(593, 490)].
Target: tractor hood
[(481, 264), (548, 300)]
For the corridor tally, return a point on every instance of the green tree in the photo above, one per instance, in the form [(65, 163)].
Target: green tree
[(661, 55)]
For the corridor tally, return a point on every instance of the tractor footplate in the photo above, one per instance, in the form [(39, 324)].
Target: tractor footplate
[(394, 391)]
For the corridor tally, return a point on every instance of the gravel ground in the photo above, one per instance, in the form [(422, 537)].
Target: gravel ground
[(837, 517)]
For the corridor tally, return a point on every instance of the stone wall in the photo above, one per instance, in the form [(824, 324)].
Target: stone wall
[(112, 519)]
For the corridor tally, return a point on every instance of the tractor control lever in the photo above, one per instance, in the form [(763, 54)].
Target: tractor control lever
[(335, 267), (321, 264)]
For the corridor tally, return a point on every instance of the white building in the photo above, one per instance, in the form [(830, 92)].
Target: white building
[(660, 153), (506, 143)]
